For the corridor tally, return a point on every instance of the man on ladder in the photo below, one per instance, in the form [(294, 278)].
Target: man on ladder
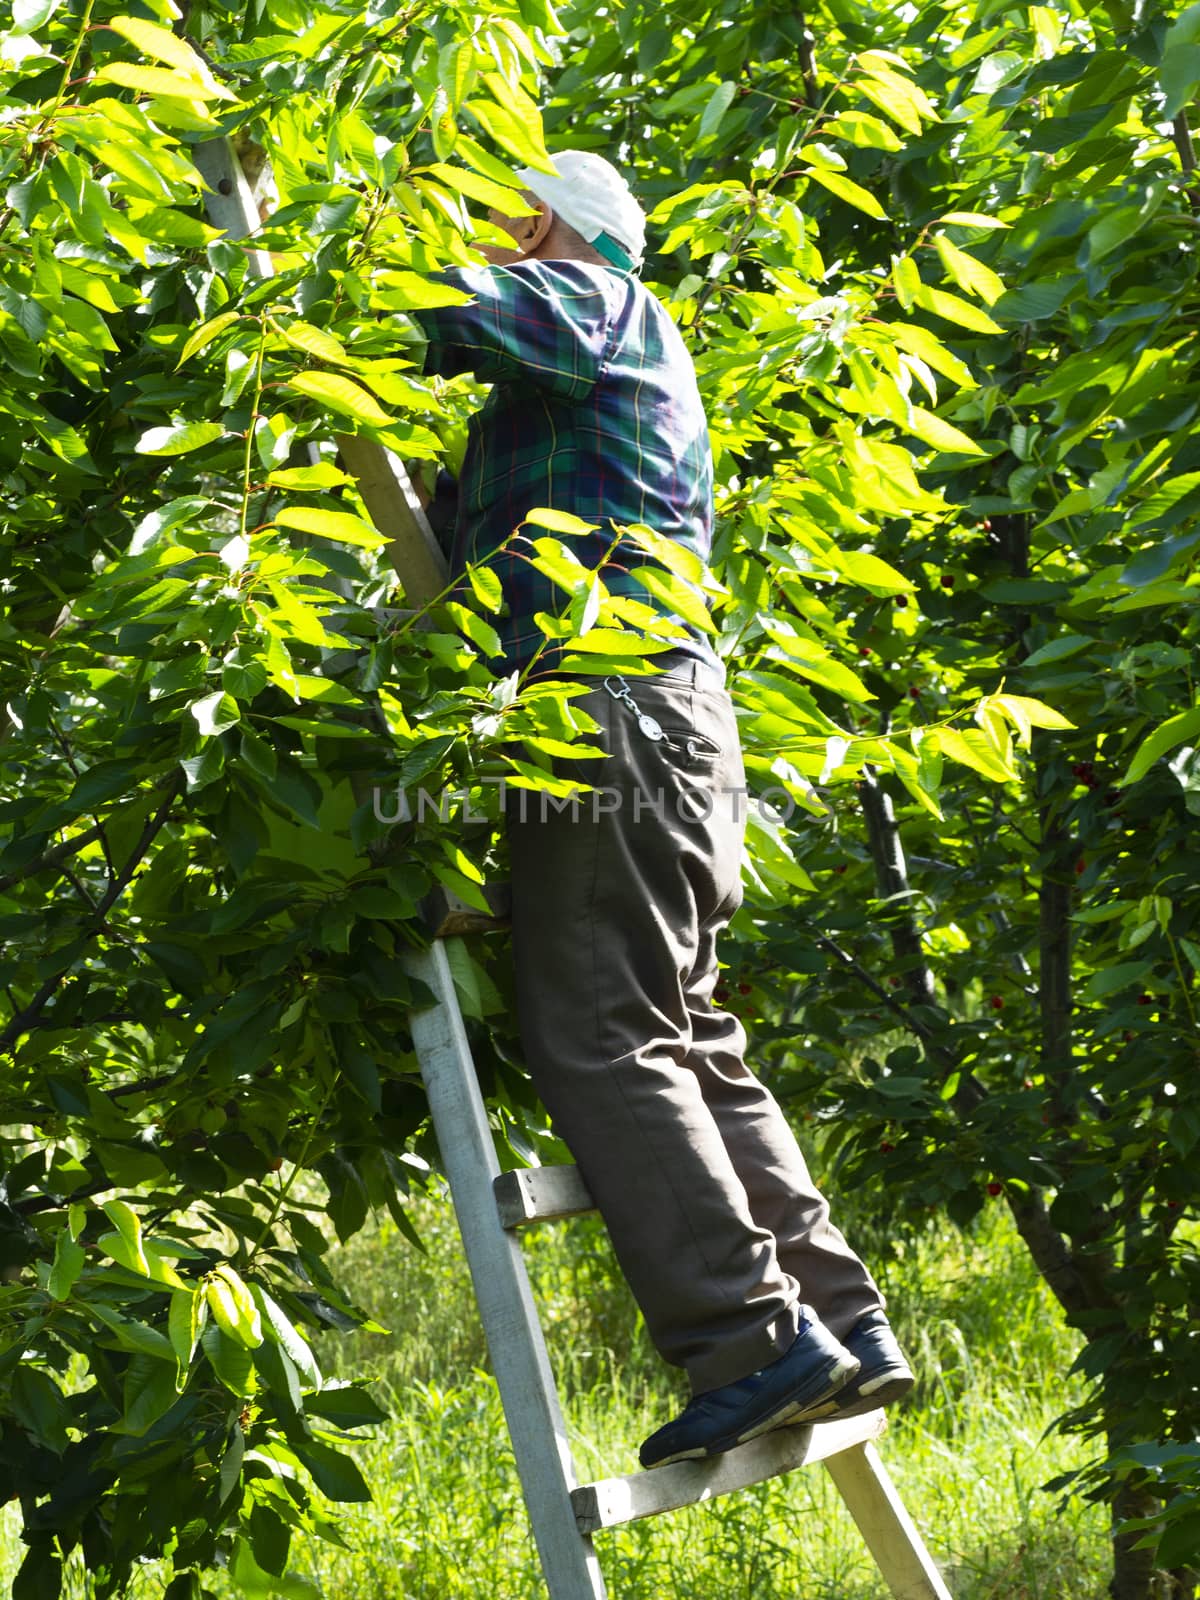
[(618, 902)]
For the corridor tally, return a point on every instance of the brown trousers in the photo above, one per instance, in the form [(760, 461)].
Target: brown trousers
[(617, 904)]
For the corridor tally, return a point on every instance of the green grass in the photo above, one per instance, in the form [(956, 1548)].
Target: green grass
[(968, 1453)]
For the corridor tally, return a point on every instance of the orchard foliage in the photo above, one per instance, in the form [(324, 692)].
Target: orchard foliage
[(938, 274)]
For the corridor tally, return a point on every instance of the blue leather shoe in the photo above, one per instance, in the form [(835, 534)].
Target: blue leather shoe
[(883, 1377), (809, 1375)]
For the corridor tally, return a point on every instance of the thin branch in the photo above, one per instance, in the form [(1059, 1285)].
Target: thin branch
[(1181, 133), (51, 858)]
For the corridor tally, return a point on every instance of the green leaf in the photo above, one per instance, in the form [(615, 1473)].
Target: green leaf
[(129, 1228), (214, 713), (1024, 713), (849, 191), (863, 130), (676, 595), (475, 628), (206, 332), (315, 342), (972, 748), (906, 280), (149, 1393), (38, 1405), (321, 475), (178, 438), (462, 886), (279, 1329), (505, 200), (942, 435), (953, 309), (510, 125), (30, 15), (719, 102), (1175, 731), (1110, 979), (487, 587), (69, 1259), (405, 291), (872, 573), (186, 1318), (341, 395), (160, 82), (972, 219), (229, 1359), (968, 273), (134, 1336), (334, 1473), (160, 44), (559, 521), (815, 663), (339, 525)]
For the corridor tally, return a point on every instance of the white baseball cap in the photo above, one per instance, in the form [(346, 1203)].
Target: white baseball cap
[(591, 196)]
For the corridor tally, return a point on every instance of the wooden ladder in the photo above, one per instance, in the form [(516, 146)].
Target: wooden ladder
[(492, 1206)]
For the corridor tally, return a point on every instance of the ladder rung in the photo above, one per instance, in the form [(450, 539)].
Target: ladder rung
[(539, 1194), (611, 1501)]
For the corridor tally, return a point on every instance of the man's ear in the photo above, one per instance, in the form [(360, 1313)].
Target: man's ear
[(533, 231)]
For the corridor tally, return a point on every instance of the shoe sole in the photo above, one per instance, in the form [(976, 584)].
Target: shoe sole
[(885, 1391)]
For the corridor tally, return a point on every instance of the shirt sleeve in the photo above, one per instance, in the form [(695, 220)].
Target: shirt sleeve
[(534, 322)]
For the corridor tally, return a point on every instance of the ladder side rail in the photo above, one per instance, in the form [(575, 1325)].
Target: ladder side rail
[(889, 1532), (388, 495), (515, 1339)]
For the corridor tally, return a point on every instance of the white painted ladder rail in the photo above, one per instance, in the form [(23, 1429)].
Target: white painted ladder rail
[(491, 1206)]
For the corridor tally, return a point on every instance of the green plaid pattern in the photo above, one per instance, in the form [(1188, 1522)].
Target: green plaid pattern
[(594, 410)]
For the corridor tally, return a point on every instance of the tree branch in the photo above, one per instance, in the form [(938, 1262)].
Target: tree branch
[(891, 875), (116, 888)]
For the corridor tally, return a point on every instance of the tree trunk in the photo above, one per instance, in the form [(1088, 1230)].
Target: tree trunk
[(1134, 1576)]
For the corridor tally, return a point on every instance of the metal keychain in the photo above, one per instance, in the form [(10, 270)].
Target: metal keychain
[(647, 725)]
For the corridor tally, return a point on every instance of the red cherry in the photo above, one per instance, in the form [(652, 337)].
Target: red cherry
[(895, 982), (745, 988), (1174, 1205), (986, 525), (1145, 1000), (902, 600), (864, 650), (1027, 1083), (1080, 867), (885, 1149), (1129, 1035), (915, 692), (947, 580), (995, 1188), (997, 1004), (841, 867), (720, 994)]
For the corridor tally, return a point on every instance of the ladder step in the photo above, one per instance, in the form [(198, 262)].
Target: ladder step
[(539, 1194), (612, 1501)]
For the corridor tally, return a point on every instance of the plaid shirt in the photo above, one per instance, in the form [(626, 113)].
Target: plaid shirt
[(594, 410)]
